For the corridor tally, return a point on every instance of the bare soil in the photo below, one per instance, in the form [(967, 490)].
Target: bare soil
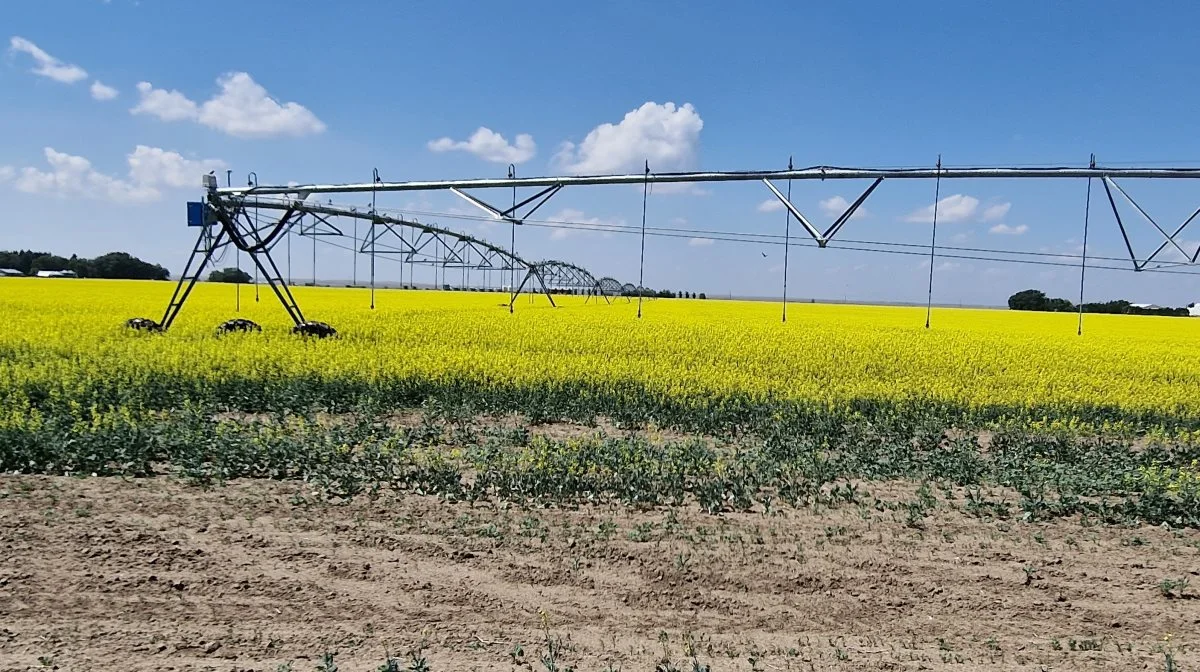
[(154, 574)]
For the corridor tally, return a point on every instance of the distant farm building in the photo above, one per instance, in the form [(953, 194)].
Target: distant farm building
[(1193, 310), (10, 273), (1145, 306), (57, 274)]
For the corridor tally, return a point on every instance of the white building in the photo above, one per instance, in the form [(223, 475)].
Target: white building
[(1193, 310), (10, 273), (57, 274)]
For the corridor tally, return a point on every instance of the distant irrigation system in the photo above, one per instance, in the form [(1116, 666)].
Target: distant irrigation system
[(254, 219)]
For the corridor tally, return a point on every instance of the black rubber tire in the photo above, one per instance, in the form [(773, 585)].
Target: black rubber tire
[(143, 324), (238, 324), (314, 329)]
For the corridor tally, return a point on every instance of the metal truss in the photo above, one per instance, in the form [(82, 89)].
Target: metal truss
[(564, 275), (238, 221), (812, 173), (612, 287), (233, 225), (551, 185), (228, 221), (1170, 238)]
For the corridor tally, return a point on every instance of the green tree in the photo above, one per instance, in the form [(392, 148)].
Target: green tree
[(49, 262), (1059, 306), (120, 265), (230, 275), (1029, 299)]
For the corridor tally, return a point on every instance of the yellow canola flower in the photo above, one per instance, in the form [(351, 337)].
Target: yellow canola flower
[(61, 337)]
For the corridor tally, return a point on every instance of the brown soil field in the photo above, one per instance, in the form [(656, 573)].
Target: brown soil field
[(155, 574)]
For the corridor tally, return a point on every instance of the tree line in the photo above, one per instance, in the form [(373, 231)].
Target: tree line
[(1033, 299), (114, 265), (237, 275)]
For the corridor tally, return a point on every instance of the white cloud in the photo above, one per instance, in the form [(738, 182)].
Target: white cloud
[(489, 146), (834, 206), (102, 91), (166, 105), (960, 237), (669, 188), (149, 169), (6, 173), (700, 242), (954, 208), (74, 176), (1006, 230), (242, 108), (679, 221), (665, 135), (153, 166), (770, 205), (995, 212), (577, 217), (1169, 253), (943, 266), (47, 65)]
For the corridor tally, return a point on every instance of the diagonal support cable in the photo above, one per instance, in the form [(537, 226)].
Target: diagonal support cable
[(845, 216), (547, 192), (1178, 231), (812, 230), (1170, 238), (1121, 225), (511, 214)]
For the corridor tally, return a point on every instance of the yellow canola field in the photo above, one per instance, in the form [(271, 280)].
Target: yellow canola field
[(63, 333)]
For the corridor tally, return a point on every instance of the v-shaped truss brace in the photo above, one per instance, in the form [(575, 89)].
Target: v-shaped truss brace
[(823, 237), (511, 215), (386, 238), (314, 227), (1171, 240)]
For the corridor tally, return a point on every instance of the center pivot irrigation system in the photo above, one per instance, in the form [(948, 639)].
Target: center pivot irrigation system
[(254, 219)]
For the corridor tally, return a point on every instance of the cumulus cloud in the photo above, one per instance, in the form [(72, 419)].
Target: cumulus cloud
[(834, 206), (943, 266), (150, 168), (45, 64), (6, 173), (1169, 253), (74, 176), (1006, 230), (489, 146), (950, 209), (163, 104), (153, 166), (996, 212), (770, 205), (700, 242), (663, 134), (242, 108), (102, 91), (578, 218)]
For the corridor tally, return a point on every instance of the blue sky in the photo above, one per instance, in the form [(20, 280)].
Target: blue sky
[(111, 110)]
